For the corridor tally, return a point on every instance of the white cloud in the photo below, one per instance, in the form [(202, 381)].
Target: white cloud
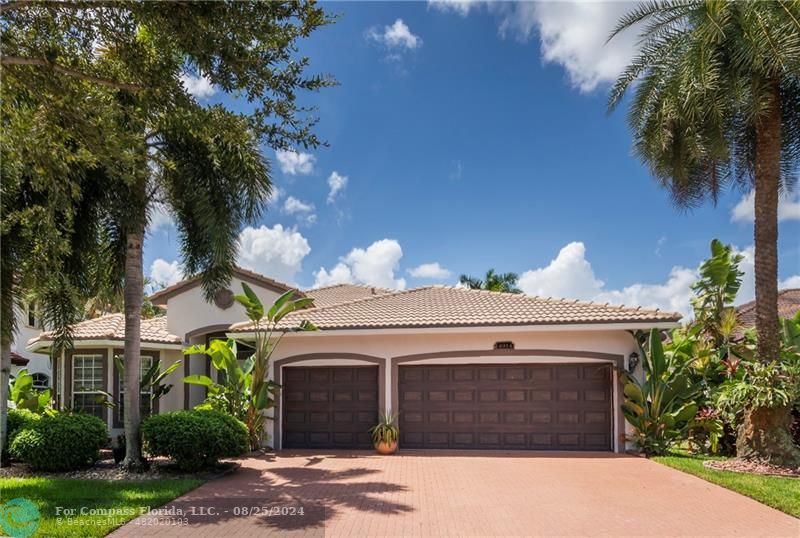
[(461, 7), (788, 208), (570, 275), (275, 195), (571, 34), (673, 295), (376, 266), (293, 206), (295, 163), (160, 217), (430, 270), (336, 184), (304, 211), (791, 282), (199, 86), (276, 252), (165, 273), (396, 36)]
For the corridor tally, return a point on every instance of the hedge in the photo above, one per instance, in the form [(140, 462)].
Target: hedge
[(195, 439), (60, 442)]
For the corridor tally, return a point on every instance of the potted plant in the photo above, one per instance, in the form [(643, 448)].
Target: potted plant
[(119, 449), (385, 434)]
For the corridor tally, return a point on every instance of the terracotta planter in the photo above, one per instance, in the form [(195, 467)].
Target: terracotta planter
[(386, 448)]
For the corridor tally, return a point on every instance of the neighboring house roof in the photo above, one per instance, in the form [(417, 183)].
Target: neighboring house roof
[(440, 306), (19, 360), (788, 306), (161, 297), (343, 293), (112, 327)]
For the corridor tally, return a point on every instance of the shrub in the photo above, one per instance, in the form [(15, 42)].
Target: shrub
[(195, 439), (60, 442), (19, 419)]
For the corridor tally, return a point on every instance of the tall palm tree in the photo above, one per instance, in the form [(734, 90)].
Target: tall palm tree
[(213, 179), (504, 282), (716, 103)]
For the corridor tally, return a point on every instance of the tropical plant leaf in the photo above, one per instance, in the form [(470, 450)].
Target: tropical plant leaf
[(197, 379)]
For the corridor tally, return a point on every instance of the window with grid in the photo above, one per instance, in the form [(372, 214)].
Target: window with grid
[(145, 404), (41, 381), (87, 380)]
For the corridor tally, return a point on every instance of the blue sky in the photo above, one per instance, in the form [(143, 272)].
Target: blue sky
[(465, 136)]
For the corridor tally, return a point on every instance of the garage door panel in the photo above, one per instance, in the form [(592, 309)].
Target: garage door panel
[(329, 407), (553, 407)]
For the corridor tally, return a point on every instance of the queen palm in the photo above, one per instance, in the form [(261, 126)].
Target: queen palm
[(492, 281), (716, 104)]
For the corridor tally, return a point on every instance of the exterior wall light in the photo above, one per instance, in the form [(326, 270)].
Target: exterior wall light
[(633, 360)]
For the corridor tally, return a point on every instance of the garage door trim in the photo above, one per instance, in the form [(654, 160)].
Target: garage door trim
[(368, 360), (537, 356)]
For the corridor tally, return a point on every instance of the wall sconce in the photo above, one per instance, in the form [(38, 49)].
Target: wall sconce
[(633, 360)]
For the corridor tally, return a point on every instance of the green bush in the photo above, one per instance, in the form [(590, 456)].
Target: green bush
[(61, 442), (195, 439), (17, 420)]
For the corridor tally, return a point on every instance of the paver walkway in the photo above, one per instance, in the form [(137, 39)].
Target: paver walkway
[(461, 494)]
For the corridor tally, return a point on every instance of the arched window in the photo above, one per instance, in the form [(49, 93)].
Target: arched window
[(41, 381)]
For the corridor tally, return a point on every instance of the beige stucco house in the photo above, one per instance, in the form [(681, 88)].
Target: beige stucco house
[(463, 368)]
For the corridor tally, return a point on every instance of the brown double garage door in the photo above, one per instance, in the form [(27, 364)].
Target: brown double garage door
[(508, 406), (534, 407)]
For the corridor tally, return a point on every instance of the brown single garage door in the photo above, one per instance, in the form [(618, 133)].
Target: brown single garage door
[(510, 406), (329, 407)]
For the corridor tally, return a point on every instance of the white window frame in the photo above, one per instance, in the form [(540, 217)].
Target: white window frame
[(39, 385), (146, 392), (30, 310), (83, 390)]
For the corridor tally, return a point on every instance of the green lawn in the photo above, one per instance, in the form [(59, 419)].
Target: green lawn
[(55, 497), (779, 492)]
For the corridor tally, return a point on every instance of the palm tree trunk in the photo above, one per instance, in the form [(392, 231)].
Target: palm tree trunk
[(767, 181), (134, 296), (764, 433)]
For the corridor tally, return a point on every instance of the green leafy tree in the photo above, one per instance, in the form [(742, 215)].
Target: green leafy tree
[(716, 102), (102, 84), (492, 281), (46, 246), (715, 292), (246, 392), (660, 408), (23, 395), (759, 392)]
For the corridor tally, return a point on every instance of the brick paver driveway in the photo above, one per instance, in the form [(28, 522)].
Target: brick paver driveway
[(462, 494)]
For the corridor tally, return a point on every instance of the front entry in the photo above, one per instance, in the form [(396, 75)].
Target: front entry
[(510, 406), (329, 407)]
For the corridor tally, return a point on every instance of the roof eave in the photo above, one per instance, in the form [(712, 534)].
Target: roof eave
[(44, 346), (507, 328)]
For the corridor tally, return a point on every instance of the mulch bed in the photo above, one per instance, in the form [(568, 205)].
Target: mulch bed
[(752, 467), (106, 469)]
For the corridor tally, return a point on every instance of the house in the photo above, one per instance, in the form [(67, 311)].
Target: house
[(463, 368), (788, 307), (29, 325)]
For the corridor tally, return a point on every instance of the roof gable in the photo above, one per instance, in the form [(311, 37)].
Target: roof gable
[(161, 297)]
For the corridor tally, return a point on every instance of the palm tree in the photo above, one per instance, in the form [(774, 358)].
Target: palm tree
[(716, 103), (504, 282), (213, 179)]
